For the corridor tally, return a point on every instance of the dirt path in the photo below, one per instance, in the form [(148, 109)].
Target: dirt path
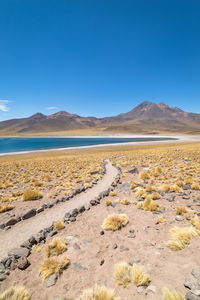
[(23, 230)]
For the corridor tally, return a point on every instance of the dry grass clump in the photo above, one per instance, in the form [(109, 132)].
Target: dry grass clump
[(112, 194), (36, 249), (98, 293), (198, 197), (56, 247), (165, 188), (181, 210), (15, 293), (124, 201), (160, 219), (150, 204), (115, 222), (196, 222), (59, 225), (139, 277), (172, 295), (144, 175), (140, 193), (53, 265), (181, 237), (32, 195), (155, 196), (195, 186), (108, 202), (6, 207), (123, 273)]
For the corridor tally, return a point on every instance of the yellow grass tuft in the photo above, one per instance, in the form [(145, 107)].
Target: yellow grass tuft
[(195, 186), (172, 295), (155, 196), (53, 265), (98, 293), (15, 293), (36, 249), (56, 247), (150, 204), (139, 277), (144, 175), (112, 194), (6, 207), (59, 225), (108, 202), (32, 195), (165, 187), (123, 273), (196, 222), (115, 222), (160, 219), (124, 201), (140, 204), (181, 237)]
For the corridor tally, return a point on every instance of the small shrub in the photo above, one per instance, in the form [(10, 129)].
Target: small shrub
[(98, 293), (53, 265), (112, 194), (123, 273), (56, 247), (6, 207), (108, 202), (59, 225), (15, 293), (32, 195), (139, 277), (172, 295), (181, 237), (115, 222), (160, 219), (144, 175), (124, 202)]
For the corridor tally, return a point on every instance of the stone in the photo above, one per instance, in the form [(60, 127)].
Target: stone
[(152, 288), (76, 246), (179, 218), (192, 283), (102, 262), (114, 204), (26, 244), (171, 199), (3, 277), (19, 252), (196, 273), (32, 240), (51, 280), (73, 212), (81, 209), (124, 186), (39, 210), (2, 226), (115, 246), (141, 289), (8, 263), (131, 235), (101, 232), (52, 233), (11, 222), (190, 296), (93, 202), (123, 248), (23, 263), (134, 171), (2, 268), (29, 214), (77, 267)]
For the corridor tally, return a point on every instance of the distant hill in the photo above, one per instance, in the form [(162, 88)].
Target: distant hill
[(146, 118)]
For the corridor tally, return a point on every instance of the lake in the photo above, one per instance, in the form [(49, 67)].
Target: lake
[(8, 145)]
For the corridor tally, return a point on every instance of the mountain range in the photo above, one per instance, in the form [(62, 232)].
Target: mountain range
[(146, 118)]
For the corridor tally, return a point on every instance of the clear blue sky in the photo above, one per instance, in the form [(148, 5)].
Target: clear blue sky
[(98, 57)]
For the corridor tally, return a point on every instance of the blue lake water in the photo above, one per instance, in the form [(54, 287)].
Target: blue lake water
[(8, 145)]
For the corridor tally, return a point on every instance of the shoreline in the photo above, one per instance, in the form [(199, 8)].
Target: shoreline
[(176, 139)]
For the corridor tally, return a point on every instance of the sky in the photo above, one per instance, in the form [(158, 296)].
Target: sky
[(98, 58)]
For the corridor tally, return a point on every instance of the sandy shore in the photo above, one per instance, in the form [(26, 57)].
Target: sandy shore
[(177, 139)]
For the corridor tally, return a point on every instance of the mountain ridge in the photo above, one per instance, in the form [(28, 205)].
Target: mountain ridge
[(147, 117)]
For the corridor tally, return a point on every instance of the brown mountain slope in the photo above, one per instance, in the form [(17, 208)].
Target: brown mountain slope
[(148, 117)]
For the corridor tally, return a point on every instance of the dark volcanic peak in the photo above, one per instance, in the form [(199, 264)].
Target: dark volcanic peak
[(37, 116), (61, 114)]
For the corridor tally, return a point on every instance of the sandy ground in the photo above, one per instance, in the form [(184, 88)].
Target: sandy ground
[(165, 267), (26, 228)]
